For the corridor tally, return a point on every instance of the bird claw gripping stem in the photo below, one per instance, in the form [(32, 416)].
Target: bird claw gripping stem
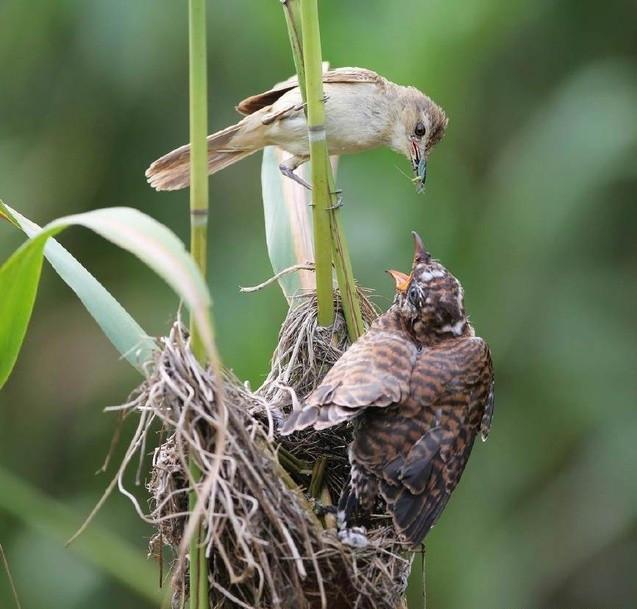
[(339, 200)]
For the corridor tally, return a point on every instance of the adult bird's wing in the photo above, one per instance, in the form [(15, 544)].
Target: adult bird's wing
[(418, 450), (374, 371), (343, 75)]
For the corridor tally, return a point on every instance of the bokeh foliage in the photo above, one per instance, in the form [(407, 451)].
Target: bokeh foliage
[(530, 201)]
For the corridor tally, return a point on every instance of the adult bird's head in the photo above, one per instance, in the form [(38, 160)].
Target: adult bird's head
[(430, 299), (419, 124)]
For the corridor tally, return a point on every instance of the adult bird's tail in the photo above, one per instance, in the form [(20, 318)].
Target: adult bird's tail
[(226, 147)]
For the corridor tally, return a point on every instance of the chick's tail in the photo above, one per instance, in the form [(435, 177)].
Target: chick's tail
[(226, 147)]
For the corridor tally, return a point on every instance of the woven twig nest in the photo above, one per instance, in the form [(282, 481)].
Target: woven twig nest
[(266, 547)]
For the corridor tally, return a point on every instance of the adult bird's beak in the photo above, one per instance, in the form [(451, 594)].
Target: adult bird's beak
[(419, 165), (402, 280)]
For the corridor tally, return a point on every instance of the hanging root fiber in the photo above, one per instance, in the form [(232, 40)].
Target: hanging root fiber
[(267, 546)]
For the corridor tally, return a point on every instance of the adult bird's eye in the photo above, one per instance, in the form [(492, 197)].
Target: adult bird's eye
[(420, 129)]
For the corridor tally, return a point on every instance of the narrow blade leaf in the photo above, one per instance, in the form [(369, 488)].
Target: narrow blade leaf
[(127, 336), (154, 244), (19, 278), (288, 225)]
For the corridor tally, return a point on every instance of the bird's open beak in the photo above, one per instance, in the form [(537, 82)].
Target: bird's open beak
[(420, 253), (402, 280), (419, 165)]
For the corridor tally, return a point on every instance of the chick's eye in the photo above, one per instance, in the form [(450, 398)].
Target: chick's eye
[(414, 295), (420, 129)]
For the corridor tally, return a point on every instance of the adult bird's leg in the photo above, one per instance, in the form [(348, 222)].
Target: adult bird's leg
[(289, 166)]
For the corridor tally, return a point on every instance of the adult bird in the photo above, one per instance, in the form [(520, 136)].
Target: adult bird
[(363, 111), (418, 388)]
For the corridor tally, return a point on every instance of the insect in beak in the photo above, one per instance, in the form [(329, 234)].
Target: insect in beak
[(422, 174), (419, 165)]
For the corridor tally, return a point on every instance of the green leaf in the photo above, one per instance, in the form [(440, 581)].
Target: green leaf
[(6, 213), (127, 336), (154, 244), (288, 225), (19, 278)]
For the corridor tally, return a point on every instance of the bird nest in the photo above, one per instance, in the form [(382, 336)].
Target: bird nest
[(266, 544)]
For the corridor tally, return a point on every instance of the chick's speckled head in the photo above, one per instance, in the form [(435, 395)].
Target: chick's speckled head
[(430, 299)]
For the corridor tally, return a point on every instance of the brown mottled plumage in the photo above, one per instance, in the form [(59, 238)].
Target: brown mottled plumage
[(363, 111), (418, 387)]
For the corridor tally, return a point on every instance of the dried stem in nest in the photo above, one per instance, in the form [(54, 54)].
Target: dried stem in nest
[(264, 546)]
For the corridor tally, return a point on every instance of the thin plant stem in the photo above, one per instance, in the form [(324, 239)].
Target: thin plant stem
[(318, 475), (326, 501), (321, 200), (293, 21), (14, 590), (293, 10), (308, 266), (199, 148), (199, 249), (293, 464), (344, 273)]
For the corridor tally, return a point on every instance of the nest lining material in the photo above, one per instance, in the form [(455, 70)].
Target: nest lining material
[(265, 546)]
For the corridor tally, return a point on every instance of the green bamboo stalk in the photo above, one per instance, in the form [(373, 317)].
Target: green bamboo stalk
[(293, 21), (321, 200), (344, 273), (199, 147), (198, 247), (342, 261), (293, 10)]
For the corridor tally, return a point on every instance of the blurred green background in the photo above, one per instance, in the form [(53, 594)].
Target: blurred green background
[(530, 201)]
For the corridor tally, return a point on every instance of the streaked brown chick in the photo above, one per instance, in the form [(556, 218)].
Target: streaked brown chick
[(418, 388)]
